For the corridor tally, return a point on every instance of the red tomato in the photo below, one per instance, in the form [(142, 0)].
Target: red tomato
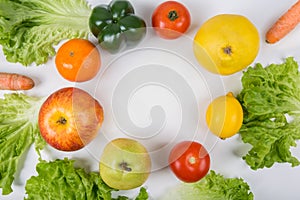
[(189, 161), (171, 19)]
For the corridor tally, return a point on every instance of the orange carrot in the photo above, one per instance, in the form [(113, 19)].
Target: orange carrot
[(12, 81), (286, 23)]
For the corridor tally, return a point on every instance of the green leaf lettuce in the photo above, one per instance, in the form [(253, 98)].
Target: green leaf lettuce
[(59, 179), (212, 186), (271, 102), (30, 28), (18, 131)]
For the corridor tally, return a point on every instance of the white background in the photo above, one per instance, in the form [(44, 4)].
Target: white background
[(279, 182)]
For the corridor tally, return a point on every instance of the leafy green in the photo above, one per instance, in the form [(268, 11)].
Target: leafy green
[(271, 101), (67, 182), (143, 195), (212, 186), (56, 180), (18, 131), (30, 28)]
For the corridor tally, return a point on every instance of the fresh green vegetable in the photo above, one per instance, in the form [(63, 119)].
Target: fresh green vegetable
[(116, 24), (143, 195), (212, 186), (18, 131), (67, 182), (30, 28), (271, 102)]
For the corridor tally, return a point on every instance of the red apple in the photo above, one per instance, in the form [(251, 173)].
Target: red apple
[(70, 118)]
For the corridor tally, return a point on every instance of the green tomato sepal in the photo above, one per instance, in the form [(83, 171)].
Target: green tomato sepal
[(116, 25)]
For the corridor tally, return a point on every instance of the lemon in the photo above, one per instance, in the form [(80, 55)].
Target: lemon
[(224, 116), (226, 44)]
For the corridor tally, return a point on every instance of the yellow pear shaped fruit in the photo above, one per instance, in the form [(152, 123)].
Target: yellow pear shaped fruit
[(226, 44)]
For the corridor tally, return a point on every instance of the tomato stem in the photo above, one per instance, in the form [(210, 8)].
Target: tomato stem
[(192, 160), (173, 15)]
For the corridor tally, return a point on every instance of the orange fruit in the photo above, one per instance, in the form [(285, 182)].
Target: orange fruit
[(78, 60)]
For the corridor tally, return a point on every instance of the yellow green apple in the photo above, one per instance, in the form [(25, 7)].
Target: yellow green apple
[(124, 164)]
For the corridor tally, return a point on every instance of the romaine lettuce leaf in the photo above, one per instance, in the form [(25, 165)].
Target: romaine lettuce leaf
[(212, 186), (29, 29), (18, 131), (59, 179), (271, 102)]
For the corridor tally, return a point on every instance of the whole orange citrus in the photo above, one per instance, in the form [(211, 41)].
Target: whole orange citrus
[(78, 60)]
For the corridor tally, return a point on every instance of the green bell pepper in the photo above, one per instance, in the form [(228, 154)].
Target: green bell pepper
[(115, 25)]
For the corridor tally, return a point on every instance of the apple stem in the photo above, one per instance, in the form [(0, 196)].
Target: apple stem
[(61, 120), (124, 166)]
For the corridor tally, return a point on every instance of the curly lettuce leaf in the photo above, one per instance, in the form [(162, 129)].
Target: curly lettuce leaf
[(271, 102), (30, 28), (143, 194), (67, 182), (18, 131), (212, 186)]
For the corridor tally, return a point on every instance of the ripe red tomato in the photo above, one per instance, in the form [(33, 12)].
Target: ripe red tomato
[(189, 161), (171, 19)]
